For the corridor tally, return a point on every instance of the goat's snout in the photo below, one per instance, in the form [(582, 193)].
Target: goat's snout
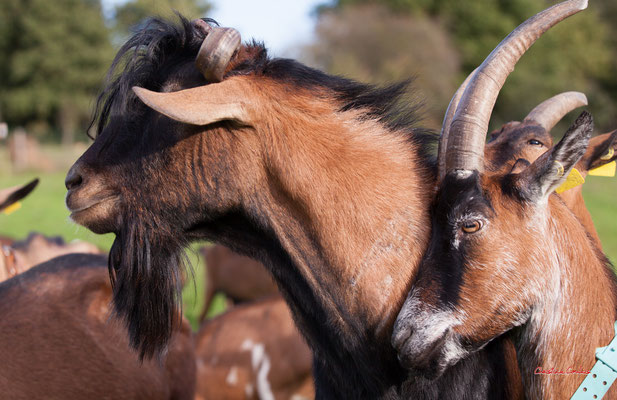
[(74, 177), (424, 340)]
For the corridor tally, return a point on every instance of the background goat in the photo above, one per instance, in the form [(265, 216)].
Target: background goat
[(253, 351), (239, 277), (59, 342), (531, 138)]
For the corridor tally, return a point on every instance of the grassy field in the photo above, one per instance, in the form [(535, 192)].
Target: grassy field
[(44, 211)]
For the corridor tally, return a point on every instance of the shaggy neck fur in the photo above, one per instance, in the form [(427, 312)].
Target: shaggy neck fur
[(575, 315), (346, 223), (341, 220)]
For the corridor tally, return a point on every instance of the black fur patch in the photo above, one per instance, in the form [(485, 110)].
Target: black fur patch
[(456, 198)]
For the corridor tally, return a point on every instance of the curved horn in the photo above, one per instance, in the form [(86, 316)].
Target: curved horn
[(466, 144), (551, 111), (216, 51), (445, 128)]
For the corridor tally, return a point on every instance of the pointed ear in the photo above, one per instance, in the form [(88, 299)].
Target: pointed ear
[(16, 193), (549, 171), (202, 105), (602, 150)]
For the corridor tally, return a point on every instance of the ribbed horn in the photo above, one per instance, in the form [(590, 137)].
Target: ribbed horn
[(216, 51), (548, 113), (468, 130), (445, 127)]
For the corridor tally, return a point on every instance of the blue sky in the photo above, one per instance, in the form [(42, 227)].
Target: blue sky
[(281, 24)]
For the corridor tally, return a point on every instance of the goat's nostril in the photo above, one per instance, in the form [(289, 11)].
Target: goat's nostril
[(73, 178)]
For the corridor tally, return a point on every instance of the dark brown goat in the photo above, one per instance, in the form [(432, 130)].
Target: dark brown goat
[(253, 351), (59, 342), (316, 176), (602, 150), (239, 277)]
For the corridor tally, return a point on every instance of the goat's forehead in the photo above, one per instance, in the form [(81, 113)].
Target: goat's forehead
[(482, 196)]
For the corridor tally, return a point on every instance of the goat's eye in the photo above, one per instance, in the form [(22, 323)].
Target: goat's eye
[(472, 226), (535, 142)]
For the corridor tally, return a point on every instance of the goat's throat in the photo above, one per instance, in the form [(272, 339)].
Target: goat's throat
[(561, 337), (355, 238)]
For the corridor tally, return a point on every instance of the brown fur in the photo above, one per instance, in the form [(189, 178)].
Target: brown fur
[(511, 143), (239, 277), (598, 147), (530, 270), (59, 342), (251, 350), (571, 340), (37, 249)]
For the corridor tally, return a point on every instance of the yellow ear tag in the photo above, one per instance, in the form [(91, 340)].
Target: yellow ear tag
[(12, 208), (605, 170), (573, 180), (609, 155)]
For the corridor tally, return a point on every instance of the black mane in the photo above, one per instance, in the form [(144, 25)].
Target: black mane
[(153, 52)]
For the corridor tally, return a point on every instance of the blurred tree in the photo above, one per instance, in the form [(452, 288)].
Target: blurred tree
[(131, 14), (54, 57), (379, 50), (577, 54)]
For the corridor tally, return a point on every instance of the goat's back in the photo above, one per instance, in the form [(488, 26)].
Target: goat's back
[(253, 351), (59, 341)]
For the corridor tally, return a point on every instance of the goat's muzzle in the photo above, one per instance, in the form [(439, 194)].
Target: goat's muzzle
[(91, 203)]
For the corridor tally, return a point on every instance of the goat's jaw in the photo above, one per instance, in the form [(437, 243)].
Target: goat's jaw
[(98, 212)]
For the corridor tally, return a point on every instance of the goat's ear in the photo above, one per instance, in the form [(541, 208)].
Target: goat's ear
[(201, 105), (549, 171), (602, 150), (14, 194)]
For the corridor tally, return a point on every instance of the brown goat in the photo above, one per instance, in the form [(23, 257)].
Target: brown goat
[(20, 256), (505, 255), (322, 179), (10, 196), (239, 277), (530, 139), (59, 341), (253, 351)]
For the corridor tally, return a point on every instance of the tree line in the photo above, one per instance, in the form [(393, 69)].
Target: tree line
[(55, 54), (442, 41)]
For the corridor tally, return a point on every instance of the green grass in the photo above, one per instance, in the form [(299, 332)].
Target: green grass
[(600, 196)]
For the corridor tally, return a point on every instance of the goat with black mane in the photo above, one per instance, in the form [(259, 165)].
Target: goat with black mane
[(325, 180)]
